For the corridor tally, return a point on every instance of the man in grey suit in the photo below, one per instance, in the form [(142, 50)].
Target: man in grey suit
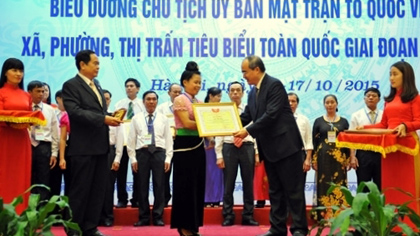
[(279, 145), (88, 143)]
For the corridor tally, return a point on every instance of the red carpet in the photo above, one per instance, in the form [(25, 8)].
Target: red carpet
[(128, 216), (125, 218), (207, 230)]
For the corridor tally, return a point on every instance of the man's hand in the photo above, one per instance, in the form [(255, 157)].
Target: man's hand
[(53, 161), (115, 166), (242, 133), (167, 167), (134, 167), (112, 121), (354, 163), (257, 160), (63, 164), (306, 165), (220, 163)]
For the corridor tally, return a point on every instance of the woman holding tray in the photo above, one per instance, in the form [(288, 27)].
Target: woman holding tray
[(401, 169), (15, 145)]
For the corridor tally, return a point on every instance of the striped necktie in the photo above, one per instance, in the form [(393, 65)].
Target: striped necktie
[(130, 112)]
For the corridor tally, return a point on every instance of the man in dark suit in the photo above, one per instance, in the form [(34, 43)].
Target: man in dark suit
[(88, 144), (279, 145)]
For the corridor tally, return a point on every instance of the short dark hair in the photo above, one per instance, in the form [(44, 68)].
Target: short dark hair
[(150, 91), (294, 94), (236, 82), (374, 90), (106, 91), (213, 91), (84, 56), (409, 90), (11, 63), (135, 81), (255, 61), (59, 94), (190, 69), (35, 84)]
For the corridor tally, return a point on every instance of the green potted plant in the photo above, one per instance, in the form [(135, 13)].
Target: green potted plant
[(37, 218), (367, 214)]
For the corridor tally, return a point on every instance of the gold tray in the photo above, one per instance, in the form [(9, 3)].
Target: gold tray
[(371, 131)]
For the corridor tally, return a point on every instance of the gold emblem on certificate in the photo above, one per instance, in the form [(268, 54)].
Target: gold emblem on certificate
[(216, 119)]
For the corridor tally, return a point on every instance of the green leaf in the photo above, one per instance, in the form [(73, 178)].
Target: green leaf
[(406, 229), (339, 220), (360, 202), (32, 218), (33, 201), (17, 200), (344, 228)]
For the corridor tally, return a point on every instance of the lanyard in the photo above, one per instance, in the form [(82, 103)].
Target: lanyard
[(330, 122), (374, 120), (191, 99)]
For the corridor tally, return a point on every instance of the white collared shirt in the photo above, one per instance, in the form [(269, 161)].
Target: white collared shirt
[(139, 130), (305, 130), (167, 109), (86, 79), (220, 140), (258, 86), (361, 117), (138, 106), (50, 131), (121, 132), (112, 135)]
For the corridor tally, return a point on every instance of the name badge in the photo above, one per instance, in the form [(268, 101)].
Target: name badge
[(331, 136), (39, 134), (147, 139)]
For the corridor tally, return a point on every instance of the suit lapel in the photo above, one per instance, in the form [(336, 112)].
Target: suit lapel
[(261, 94), (98, 86), (89, 89)]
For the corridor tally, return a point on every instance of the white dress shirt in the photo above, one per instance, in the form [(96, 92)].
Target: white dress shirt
[(138, 106), (305, 130), (361, 117), (49, 132), (139, 130), (112, 135), (121, 132), (167, 109), (220, 140)]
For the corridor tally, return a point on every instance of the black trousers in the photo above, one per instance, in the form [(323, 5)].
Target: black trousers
[(56, 177), (286, 188), (108, 207), (155, 163), (244, 157), (189, 181), (122, 179), (87, 190), (369, 167), (41, 156), (167, 186)]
